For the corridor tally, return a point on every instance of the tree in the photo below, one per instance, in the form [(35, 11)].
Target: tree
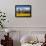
[(2, 19)]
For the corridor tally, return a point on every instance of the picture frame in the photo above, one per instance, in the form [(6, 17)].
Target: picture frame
[(23, 11)]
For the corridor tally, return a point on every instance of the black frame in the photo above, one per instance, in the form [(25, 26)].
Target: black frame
[(24, 6)]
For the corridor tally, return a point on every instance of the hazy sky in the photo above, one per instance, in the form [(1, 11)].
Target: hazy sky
[(23, 8)]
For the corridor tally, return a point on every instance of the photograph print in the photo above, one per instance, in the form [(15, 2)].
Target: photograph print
[(23, 11)]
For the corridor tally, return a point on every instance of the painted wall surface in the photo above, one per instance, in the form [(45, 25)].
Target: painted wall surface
[(38, 18), (36, 23)]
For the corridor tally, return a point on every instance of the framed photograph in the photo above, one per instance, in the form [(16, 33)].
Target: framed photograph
[(23, 10)]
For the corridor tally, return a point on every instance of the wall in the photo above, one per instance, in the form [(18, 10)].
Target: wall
[(36, 23), (38, 18)]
